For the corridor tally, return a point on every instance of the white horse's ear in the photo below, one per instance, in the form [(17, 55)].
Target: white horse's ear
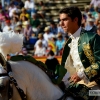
[(2, 60)]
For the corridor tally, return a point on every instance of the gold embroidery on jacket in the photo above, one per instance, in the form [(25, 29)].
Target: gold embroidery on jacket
[(95, 66), (88, 52), (92, 70)]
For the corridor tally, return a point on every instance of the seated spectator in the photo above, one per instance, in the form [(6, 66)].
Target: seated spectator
[(47, 35), (91, 26), (51, 61), (19, 24), (24, 19), (52, 45), (24, 13), (15, 14), (18, 3), (41, 9), (44, 42), (14, 21), (40, 50), (94, 3), (53, 27), (27, 33), (8, 26), (30, 6), (17, 30), (60, 43), (35, 23), (11, 9), (3, 16)]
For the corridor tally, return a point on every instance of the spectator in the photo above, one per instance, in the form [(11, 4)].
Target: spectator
[(44, 42), (12, 8), (40, 50), (47, 35), (30, 6), (94, 3), (17, 30), (14, 21), (19, 24), (24, 13), (24, 19), (53, 27), (51, 61), (3, 17), (18, 3), (27, 33), (52, 45), (41, 9), (35, 23), (59, 43), (90, 26), (8, 26)]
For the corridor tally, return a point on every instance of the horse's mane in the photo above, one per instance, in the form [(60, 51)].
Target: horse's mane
[(35, 83)]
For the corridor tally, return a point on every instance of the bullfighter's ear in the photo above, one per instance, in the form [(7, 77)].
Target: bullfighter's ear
[(2, 60)]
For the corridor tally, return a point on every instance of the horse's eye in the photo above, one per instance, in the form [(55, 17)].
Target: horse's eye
[(2, 87)]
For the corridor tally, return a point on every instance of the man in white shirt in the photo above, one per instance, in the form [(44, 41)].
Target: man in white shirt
[(81, 52), (8, 26), (30, 6)]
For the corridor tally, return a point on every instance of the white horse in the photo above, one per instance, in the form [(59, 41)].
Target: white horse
[(32, 80)]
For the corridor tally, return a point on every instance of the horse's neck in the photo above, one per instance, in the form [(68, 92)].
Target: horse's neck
[(34, 82)]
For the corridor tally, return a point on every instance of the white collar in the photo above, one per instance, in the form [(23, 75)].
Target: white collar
[(76, 34)]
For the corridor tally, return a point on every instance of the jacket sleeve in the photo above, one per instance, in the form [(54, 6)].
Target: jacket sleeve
[(93, 71)]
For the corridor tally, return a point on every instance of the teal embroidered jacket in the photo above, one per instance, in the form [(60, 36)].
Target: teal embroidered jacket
[(89, 52)]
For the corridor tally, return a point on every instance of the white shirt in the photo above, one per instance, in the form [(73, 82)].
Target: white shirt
[(44, 42), (96, 3), (75, 61), (7, 28), (29, 4), (40, 51), (48, 36), (77, 64), (11, 10)]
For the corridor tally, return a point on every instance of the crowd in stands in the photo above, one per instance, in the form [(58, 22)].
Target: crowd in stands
[(22, 18)]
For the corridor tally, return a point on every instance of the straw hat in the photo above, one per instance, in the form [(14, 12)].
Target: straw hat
[(17, 28), (91, 20), (46, 29)]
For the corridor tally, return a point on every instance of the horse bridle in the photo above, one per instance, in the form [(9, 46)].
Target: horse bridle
[(6, 65)]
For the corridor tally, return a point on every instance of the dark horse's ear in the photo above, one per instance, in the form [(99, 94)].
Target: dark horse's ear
[(2, 60)]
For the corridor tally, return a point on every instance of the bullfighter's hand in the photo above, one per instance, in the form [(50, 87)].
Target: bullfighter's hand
[(75, 78)]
